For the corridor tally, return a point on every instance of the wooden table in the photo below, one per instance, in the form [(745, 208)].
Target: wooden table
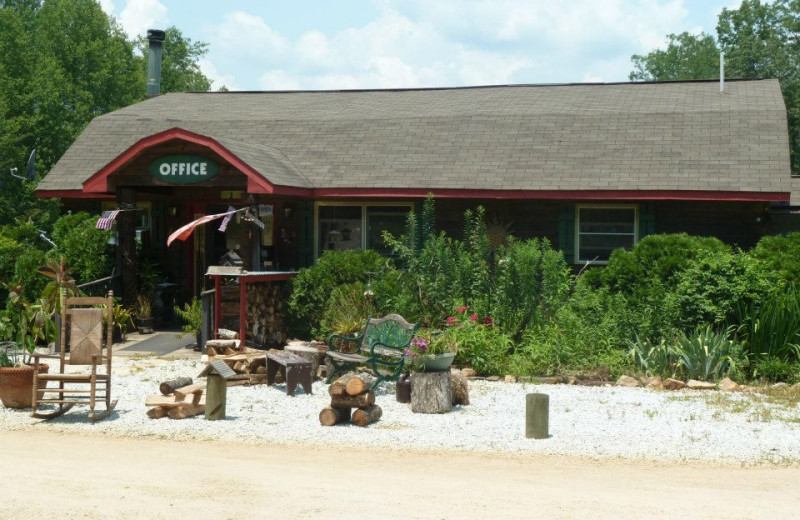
[(294, 369)]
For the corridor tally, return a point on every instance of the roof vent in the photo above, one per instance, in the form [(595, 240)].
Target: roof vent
[(156, 38)]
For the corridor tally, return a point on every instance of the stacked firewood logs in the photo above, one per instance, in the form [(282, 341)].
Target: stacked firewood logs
[(249, 364), (175, 402), (266, 320), (351, 400)]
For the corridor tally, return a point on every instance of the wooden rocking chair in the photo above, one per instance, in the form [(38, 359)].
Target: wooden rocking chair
[(82, 333)]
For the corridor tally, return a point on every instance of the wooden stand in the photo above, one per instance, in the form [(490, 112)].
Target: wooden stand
[(216, 396), (431, 392), (537, 416), (309, 353)]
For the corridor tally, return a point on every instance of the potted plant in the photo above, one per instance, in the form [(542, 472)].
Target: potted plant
[(142, 311), (431, 352), (123, 322), (192, 316), (22, 326)]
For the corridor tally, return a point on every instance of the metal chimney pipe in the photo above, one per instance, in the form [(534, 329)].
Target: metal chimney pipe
[(722, 72), (156, 39)]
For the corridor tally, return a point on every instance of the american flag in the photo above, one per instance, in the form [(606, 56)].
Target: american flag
[(224, 225), (107, 219)]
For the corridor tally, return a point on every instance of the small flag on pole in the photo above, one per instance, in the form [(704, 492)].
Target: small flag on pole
[(224, 225), (106, 220)]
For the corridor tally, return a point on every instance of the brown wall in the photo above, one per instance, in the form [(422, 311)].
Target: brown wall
[(735, 223)]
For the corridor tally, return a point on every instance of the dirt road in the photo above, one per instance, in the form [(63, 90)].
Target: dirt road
[(46, 475)]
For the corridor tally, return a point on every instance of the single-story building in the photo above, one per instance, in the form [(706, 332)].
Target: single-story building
[(592, 167)]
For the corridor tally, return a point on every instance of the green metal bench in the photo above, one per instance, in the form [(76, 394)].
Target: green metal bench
[(381, 346)]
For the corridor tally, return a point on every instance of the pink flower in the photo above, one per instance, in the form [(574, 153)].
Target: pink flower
[(450, 321), (488, 321), (462, 309), (474, 317)]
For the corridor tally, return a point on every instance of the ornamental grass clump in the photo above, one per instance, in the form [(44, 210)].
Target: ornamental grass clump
[(706, 354)]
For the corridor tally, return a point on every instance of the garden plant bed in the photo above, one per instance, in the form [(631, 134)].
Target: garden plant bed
[(598, 422)]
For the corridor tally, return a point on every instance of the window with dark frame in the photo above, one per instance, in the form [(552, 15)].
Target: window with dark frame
[(603, 228)]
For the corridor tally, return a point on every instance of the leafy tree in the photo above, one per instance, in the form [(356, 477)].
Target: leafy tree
[(686, 57), (759, 41)]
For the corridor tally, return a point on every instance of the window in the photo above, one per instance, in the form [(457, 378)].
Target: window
[(343, 226), (600, 229)]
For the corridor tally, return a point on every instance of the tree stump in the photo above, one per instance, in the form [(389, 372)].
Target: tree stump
[(306, 352), (431, 392)]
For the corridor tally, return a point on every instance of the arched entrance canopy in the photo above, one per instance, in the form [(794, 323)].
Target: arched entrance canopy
[(227, 149)]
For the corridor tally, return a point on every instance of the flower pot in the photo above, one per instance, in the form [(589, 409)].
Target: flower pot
[(144, 326), (16, 385), (437, 363)]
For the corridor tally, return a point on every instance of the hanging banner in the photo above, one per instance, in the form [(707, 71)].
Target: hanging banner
[(186, 231)]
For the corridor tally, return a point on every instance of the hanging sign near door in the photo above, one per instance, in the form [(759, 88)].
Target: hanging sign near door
[(183, 169)]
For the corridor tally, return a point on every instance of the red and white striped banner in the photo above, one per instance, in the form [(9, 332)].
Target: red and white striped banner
[(186, 231)]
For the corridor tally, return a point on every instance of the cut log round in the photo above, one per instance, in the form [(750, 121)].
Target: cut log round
[(339, 387), (167, 387), (333, 415), (359, 384), (353, 401), (431, 392), (367, 415)]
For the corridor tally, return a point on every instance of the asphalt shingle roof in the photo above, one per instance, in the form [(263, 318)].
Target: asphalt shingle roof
[(644, 136)]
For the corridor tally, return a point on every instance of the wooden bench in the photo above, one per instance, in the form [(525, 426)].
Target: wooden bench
[(294, 368), (381, 346)]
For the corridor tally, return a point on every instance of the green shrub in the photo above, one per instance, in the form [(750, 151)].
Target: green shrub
[(774, 370), (26, 272), (485, 348), (313, 285), (780, 254), (84, 247), (656, 258), (712, 288), (532, 282)]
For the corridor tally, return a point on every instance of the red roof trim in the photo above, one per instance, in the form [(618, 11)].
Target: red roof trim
[(341, 193), (731, 196), (98, 183)]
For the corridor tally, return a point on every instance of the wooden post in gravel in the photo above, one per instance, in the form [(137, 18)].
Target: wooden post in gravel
[(431, 392), (537, 416)]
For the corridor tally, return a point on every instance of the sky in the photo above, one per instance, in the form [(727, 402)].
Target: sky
[(355, 44)]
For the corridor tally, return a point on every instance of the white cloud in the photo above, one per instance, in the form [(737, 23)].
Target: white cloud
[(140, 15), (277, 80), (248, 36), (419, 43), (107, 6), (217, 80)]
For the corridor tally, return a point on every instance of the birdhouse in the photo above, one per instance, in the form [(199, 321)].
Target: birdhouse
[(231, 259)]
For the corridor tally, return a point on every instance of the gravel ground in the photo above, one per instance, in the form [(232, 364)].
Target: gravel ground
[(595, 422)]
